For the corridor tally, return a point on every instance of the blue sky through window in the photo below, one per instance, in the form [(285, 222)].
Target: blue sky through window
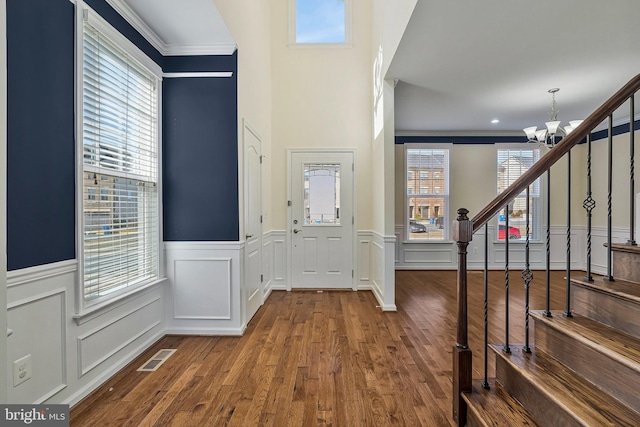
[(320, 21)]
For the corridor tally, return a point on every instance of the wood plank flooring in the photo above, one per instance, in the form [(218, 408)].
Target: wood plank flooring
[(329, 358)]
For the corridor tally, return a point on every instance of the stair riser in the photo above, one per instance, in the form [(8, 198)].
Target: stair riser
[(612, 376), (626, 266), (545, 410), (605, 308)]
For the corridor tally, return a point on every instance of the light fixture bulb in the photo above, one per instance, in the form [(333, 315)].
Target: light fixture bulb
[(552, 127), (575, 123), (531, 132), (541, 135)]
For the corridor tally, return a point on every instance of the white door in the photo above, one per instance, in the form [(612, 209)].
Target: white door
[(253, 221), (321, 219)]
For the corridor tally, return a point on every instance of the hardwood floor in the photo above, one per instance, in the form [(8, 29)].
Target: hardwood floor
[(329, 358)]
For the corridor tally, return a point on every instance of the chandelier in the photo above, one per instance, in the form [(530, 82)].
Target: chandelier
[(547, 136)]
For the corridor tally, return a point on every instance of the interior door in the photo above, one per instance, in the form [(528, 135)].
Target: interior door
[(253, 222), (322, 219)]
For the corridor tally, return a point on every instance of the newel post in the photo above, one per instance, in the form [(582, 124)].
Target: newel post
[(462, 233)]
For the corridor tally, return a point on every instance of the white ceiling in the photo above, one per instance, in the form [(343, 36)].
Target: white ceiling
[(184, 27), (462, 63)]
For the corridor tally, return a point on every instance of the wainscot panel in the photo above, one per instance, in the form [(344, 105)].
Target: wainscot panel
[(39, 334), (69, 360), (443, 255), (115, 334), (205, 294)]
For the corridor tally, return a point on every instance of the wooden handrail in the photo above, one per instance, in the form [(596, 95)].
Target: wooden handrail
[(556, 153)]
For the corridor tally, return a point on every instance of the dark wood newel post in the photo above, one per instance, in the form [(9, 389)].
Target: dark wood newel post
[(462, 233)]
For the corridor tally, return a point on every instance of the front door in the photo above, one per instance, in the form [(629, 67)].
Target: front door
[(321, 219), (253, 221)]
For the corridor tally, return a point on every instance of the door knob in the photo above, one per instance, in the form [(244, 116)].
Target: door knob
[(248, 236), (295, 230)]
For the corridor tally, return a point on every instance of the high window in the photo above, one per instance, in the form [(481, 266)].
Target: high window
[(512, 163), (119, 146), (320, 21), (427, 193)]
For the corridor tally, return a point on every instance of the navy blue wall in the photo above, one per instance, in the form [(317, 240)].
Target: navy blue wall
[(40, 132), (200, 159), (41, 167)]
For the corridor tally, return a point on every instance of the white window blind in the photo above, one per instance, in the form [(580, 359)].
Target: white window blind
[(512, 163), (120, 168)]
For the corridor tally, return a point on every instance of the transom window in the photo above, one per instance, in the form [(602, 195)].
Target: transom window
[(120, 164), (427, 193), (320, 21), (512, 163)]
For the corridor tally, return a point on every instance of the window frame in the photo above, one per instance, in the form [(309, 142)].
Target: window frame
[(536, 222), (348, 29), (444, 195), (84, 14)]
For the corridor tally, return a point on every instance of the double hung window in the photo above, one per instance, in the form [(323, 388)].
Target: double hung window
[(512, 163), (119, 146), (427, 193)]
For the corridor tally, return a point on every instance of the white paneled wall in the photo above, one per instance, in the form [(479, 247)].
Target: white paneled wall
[(443, 256), (206, 293), (70, 355)]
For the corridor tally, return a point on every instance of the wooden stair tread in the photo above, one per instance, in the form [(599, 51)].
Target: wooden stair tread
[(616, 344), (622, 247), (586, 403), (496, 407), (619, 288)]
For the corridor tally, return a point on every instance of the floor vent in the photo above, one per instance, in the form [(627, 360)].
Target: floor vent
[(158, 359)]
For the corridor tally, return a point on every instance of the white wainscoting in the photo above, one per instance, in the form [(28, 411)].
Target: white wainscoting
[(599, 251), (70, 359), (206, 294), (444, 255), (375, 266), (275, 243)]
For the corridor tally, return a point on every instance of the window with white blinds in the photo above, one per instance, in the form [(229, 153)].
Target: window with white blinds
[(120, 168), (512, 163)]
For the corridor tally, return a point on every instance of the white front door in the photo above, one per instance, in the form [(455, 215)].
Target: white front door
[(321, 219), (253, 221)]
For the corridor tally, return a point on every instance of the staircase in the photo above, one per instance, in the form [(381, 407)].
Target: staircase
[(582, 370), (582, 367)]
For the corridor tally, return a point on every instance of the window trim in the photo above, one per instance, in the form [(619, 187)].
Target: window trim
[(446, 239), (85, 13), (348, 29), (537, 223)]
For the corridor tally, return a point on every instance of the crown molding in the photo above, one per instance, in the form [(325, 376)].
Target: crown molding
[(136, 22), (206, 49)]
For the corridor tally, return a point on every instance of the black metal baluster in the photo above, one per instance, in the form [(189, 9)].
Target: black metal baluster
[(547, 311), (609, 275), (485, 383), (567, 312), (506, 348), (589, 204), (632, 166), (527, 276)]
